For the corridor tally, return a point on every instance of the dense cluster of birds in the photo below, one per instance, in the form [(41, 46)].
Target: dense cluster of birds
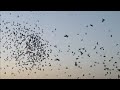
[(29, 50)]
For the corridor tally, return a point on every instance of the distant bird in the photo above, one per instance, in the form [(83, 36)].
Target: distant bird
[(115, 62), (103, 20), (90, 65), (6, 27), (55, 46), (75, 63), (97, 43), (91, 25), (68, 45), (66, 67), (13, 32), (81, 39), (77, 58), (117, 44), (66, 36), (110, 35), (88, 55), (81, 53), (104, 56), (94, 47), (4, 72), (112, 57), (57, 59)]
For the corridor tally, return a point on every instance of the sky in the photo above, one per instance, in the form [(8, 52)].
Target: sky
[(75, 24)]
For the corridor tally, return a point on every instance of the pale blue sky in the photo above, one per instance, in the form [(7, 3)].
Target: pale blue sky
[(72, 23)]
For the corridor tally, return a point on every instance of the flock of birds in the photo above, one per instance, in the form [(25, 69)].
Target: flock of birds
[(30, 51)]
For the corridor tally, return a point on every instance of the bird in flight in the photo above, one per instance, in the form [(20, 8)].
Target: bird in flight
[(91, 25), (66, 36), (103, 20)]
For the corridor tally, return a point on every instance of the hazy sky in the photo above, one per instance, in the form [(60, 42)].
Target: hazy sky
[(72, 23)]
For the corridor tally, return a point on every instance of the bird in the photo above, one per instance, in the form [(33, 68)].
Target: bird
[(81, 53), (94, 47), (85, 33), (97, 43), (66, 68), (117, 44), (66, 36), (103, 20), (57, 59), (75, 63), (91, 25), (110, 35), (88, 55), (77, 58), (81, 39), (68, 45)]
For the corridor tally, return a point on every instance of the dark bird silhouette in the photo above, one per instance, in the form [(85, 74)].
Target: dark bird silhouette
[(91, 25), (68, 45), (88, 55), (103, 20), (104, 56), (81, 53), (97, 43), (57, 59), (110, 35), (75, 63), (117, 44), (77, 58), (66, 67), (94, 47), (66, 36), (85, 33)]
